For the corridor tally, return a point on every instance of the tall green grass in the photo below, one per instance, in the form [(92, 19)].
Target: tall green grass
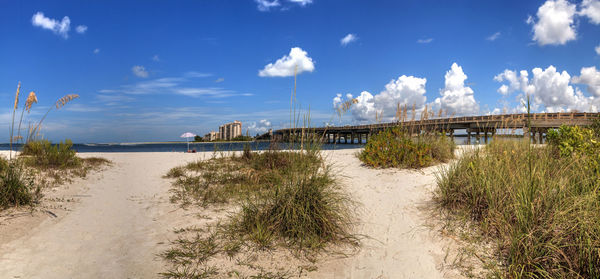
[(395, 148), (543, 209)]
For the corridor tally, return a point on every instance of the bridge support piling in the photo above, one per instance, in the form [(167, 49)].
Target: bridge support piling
[(541, 136), (485, 135), (468, 136)]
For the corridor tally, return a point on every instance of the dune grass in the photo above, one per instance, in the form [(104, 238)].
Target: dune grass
[(58, 161), (17, 186), (285, 198), (541, 207), (395, 148)]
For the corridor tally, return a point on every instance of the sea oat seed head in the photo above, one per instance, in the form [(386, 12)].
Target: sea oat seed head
[(17, 95), (32, 98), (64, 100)]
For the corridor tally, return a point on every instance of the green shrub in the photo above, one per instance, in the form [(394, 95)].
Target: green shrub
[(16, 187), (44, 154), (543, 209), (395, 148)]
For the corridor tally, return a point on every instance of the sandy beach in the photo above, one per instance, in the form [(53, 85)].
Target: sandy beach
[(116, 222)]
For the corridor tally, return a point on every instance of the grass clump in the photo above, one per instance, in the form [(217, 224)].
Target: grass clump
[(394, 148), (16, 186), (58, 161), (44, 154), (540, 206), (285, 198)]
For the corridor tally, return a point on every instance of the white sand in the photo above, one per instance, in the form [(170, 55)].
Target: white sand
[(122, 219)]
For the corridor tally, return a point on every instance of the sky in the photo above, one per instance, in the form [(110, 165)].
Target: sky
[(152, 70)]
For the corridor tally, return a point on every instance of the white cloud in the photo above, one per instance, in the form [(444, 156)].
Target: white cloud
[(200, 92), (81, 29), (193, 74), (301, 2), (261, 127), (58, 27), (96, 51), (597, 49), (456, 98), (155, 58), (406, 90), (591, 9), (550, 90), (348, 39), (266, 5), (589, 76), (517, 81), (555, 23), (286, 65), (139, 71), (425, 41), (219, 80), (493, 37)]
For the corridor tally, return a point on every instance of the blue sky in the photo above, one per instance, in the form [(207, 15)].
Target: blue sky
[(149, 71)]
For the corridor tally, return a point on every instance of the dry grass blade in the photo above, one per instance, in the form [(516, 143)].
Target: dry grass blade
[(65, 99)]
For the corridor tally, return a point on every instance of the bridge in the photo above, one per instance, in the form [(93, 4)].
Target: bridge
[(486, 125)]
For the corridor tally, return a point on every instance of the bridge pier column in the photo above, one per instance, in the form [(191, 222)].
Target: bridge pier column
[(468, 136), (485, 135), (478, 136), (541, 136)]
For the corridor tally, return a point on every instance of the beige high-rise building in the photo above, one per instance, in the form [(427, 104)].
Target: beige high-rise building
[(212, 136), (231, 130)]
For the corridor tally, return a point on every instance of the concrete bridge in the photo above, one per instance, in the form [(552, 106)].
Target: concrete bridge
[(477, 126)]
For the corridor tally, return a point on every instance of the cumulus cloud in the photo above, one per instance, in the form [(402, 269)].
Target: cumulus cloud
[(406, 90), (456, 98), (286, 65), (555, 23), (517, 81), (589, 76), (591, 9), (551, 90), (60, 28), (266, 5), (261, 127), (81, 29), (597, 49), (425, 41), (96, 51), (348, 39), (139, 71), (493, 37)]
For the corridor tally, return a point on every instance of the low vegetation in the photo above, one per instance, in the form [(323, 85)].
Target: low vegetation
[(16, 185), (395, 148), (58, 161), (285, 198), (540, 205)]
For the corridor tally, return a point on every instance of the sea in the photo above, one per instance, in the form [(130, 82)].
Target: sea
[(183, 146)]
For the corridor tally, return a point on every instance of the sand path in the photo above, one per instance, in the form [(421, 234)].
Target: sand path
[(124, 218), (114, 232)]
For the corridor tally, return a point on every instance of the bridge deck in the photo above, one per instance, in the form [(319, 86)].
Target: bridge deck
[(503, 121)]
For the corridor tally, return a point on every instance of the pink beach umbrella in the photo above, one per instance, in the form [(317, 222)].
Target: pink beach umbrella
[(187, 136)]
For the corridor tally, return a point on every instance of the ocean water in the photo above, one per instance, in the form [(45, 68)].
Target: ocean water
[(181, 146)]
